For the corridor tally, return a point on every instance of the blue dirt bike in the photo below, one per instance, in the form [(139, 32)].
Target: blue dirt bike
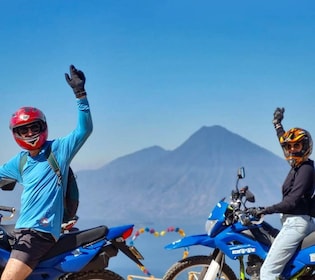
[(233, 231), (80, 254)]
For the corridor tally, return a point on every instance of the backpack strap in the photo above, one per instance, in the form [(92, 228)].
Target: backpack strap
[(53, 163), (51, 160), (22, 162)]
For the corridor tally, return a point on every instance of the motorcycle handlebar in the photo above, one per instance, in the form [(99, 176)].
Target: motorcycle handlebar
[(251, 211), (261, 219), (247, 217), (7, 209)]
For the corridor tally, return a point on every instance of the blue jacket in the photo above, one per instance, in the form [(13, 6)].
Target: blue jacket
[(42, 196)]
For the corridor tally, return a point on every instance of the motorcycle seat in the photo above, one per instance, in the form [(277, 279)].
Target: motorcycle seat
[(70, 241), (308, 241)]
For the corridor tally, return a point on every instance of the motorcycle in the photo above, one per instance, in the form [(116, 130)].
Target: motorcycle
[(234, 231), (79, 254)]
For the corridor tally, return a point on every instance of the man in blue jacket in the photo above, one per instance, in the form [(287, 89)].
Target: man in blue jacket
[(39, 224)]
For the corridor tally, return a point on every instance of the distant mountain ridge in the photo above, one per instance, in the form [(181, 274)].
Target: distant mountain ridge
[(154, 184)]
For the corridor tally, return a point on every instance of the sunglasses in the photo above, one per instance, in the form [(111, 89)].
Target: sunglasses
[(35, 128), (295, 146)]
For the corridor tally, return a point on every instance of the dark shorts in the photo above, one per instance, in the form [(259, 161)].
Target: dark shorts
[(31, 245)]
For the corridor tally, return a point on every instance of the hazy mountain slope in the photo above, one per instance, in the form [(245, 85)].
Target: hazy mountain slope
[(154, 184)]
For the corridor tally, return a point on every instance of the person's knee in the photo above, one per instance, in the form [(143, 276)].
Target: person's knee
[(15, 270)]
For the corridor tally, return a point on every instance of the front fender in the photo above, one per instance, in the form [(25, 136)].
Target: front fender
[(201, 239)]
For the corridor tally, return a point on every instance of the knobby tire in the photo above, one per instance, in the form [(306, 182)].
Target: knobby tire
[(93, 275), (190, 262)]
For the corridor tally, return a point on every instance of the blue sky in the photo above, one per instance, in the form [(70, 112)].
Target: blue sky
[(158, 70)]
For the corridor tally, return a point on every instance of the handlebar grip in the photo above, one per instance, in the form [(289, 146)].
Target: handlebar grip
[(7, 209)]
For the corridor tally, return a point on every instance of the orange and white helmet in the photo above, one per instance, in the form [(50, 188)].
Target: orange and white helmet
[(26, 117), (297, 145)]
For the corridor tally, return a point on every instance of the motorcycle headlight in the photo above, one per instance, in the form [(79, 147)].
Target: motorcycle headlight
[(210, 224)]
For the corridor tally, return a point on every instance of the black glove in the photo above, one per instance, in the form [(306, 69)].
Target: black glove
[(76, 81), (278, 116), (257, 212)]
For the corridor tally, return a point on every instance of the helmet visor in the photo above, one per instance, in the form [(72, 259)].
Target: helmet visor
[(29, 129), (293, 147)]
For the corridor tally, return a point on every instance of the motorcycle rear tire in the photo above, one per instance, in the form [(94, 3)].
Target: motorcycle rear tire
[(192, 262), (94, 275)]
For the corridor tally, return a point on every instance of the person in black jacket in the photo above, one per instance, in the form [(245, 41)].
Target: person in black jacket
[(297, 190)]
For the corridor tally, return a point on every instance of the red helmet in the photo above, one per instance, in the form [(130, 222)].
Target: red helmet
[(24, 117)]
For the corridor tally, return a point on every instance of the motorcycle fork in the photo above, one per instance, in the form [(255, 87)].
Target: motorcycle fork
[(242, 268), (215, 266)]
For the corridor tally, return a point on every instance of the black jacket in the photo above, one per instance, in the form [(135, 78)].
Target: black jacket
[(297, 189)]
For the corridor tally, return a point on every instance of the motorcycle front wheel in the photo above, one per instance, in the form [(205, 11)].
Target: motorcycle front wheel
[(191, 267), (93, 275)]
